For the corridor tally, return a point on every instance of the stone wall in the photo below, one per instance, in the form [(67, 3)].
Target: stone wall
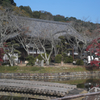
[(52, 76)]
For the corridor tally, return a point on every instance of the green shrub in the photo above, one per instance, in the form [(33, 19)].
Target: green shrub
[(68, 59), (31, 60), (40, 58), (79, 62), (58, 58), (6, 63), (65, 59)]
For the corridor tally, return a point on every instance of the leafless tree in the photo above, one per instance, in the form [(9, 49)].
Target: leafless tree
[(44, 43), (24, 39), (86, 37), (10, 27)]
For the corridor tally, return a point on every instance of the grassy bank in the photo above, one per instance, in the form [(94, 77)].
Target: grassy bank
[(35, 69)]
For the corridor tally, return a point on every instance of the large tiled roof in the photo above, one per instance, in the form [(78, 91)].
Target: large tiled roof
[(37, 26)]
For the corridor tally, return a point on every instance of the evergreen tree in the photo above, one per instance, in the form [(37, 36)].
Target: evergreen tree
[(11, 50), (27, 9), (7, 3)]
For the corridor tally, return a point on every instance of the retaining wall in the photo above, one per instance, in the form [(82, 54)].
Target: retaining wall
[(55, 76)]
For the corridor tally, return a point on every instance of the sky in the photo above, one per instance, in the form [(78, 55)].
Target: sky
[(86, 10)]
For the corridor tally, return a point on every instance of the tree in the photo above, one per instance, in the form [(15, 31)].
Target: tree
[(25, 40), (36, 14), (12, 2), (10, 27), (58, 58), (7, 3), (86, 30), (92, 40), (89, 43), (94, 47), (12, 52), (43, 43), (31, 60), (1, 56), (27, 9), (43, 15), (46, 15), (62, 46), (81, 44), (59, 18)]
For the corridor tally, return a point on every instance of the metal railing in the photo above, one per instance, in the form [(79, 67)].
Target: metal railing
[(85, 96)]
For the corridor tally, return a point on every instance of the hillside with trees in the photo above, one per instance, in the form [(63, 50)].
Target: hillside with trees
[(80, 25)]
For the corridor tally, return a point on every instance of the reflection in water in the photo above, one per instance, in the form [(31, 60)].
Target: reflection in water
[(79, 81)]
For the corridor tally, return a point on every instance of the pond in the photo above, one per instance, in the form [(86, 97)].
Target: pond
[(81, 83)]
